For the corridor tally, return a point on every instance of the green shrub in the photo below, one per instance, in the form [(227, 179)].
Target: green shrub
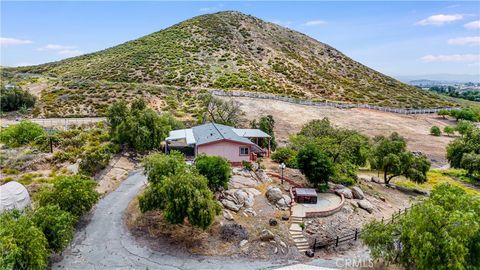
[(75, 194), (56, 224), (314, 164), (247, 165), (15, 99), (435, 131), (159, 165), (22, 245), (442, 232), (21, 133), (216, 169), (138, 126), (283, 155), (96, 158), (449, 130), (187, 195)]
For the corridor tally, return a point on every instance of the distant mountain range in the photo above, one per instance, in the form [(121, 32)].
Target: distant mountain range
[(234, 51), (441, 78)]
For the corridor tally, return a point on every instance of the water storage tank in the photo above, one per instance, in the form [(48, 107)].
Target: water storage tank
[(13, 195)]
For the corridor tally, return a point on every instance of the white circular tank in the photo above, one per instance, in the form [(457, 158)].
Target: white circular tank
[(13, 195)]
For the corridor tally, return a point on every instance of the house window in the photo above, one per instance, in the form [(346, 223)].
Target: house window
[(243, 151)]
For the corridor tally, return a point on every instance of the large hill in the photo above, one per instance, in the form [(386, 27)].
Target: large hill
[(231, 50)]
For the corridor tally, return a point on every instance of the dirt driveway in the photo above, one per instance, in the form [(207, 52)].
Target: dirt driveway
[(289, 119)]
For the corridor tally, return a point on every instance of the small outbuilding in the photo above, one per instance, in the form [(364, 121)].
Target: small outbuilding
[(305, 195), (13, 195)]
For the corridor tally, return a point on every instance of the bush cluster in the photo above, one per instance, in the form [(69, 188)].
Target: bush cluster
[(28, 237), (138, 126), (216, 169), (178, 190), (233, 231), (15, 99), (22, 133)]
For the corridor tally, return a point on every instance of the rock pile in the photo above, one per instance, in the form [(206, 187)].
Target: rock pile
[(235, 199), (355, 193), (277, 198)]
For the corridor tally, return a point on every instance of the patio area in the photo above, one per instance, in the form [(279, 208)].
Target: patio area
[(327, 204)]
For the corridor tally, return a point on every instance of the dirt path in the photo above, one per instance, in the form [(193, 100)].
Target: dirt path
[(289, 118)]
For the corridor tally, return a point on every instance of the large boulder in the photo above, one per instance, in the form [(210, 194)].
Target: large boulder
[(227, 215), (274, 194), (242, 181), (357, 193), (266, 235), (13, 195), (262, 175), (231, 205), (74, 168), (284, 202), (376, 180), (346, 192), (241, 196), (365, 205), (249, 201)]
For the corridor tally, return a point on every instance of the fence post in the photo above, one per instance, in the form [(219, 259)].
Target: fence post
[(356, 234), (314, 244), (336, 242)]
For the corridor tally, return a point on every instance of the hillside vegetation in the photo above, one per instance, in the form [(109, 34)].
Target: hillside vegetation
[(234, 51)]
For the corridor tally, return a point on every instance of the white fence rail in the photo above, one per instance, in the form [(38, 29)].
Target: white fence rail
[(58, 122), (340, 105)]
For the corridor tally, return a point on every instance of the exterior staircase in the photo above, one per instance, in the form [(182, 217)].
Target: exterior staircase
[(296, 233)]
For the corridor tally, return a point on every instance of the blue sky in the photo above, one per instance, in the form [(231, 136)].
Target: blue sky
[(395, 38)]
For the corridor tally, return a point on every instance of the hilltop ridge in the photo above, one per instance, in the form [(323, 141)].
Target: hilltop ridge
[(233, 51)]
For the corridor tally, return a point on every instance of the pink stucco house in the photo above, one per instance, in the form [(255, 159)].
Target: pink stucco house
[(236, 145)]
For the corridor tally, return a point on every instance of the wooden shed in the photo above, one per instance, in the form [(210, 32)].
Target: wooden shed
[(306, 195)]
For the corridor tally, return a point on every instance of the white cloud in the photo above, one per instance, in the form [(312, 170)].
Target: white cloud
[(472, 25), (70, 53), (464, 41), (284, 24), (55, 47), (13, 41), (467, 58), (207, 9), (440, 19), (314, 22)]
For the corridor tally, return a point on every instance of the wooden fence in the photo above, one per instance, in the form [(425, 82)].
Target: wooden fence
[(353, 236), (340, 105)]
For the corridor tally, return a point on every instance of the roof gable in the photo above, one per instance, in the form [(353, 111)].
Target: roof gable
[(212, 132)]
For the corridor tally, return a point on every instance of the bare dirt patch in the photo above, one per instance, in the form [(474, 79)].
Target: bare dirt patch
[(289, 118), (117, 170)]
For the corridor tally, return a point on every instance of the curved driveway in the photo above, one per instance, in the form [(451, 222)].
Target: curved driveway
[(106, 243)]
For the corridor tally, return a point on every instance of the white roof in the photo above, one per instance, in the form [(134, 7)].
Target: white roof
[(186, 134), (13, 195), (250, 133)]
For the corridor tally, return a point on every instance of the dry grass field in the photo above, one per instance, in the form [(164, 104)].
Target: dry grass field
[(289, 118)]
